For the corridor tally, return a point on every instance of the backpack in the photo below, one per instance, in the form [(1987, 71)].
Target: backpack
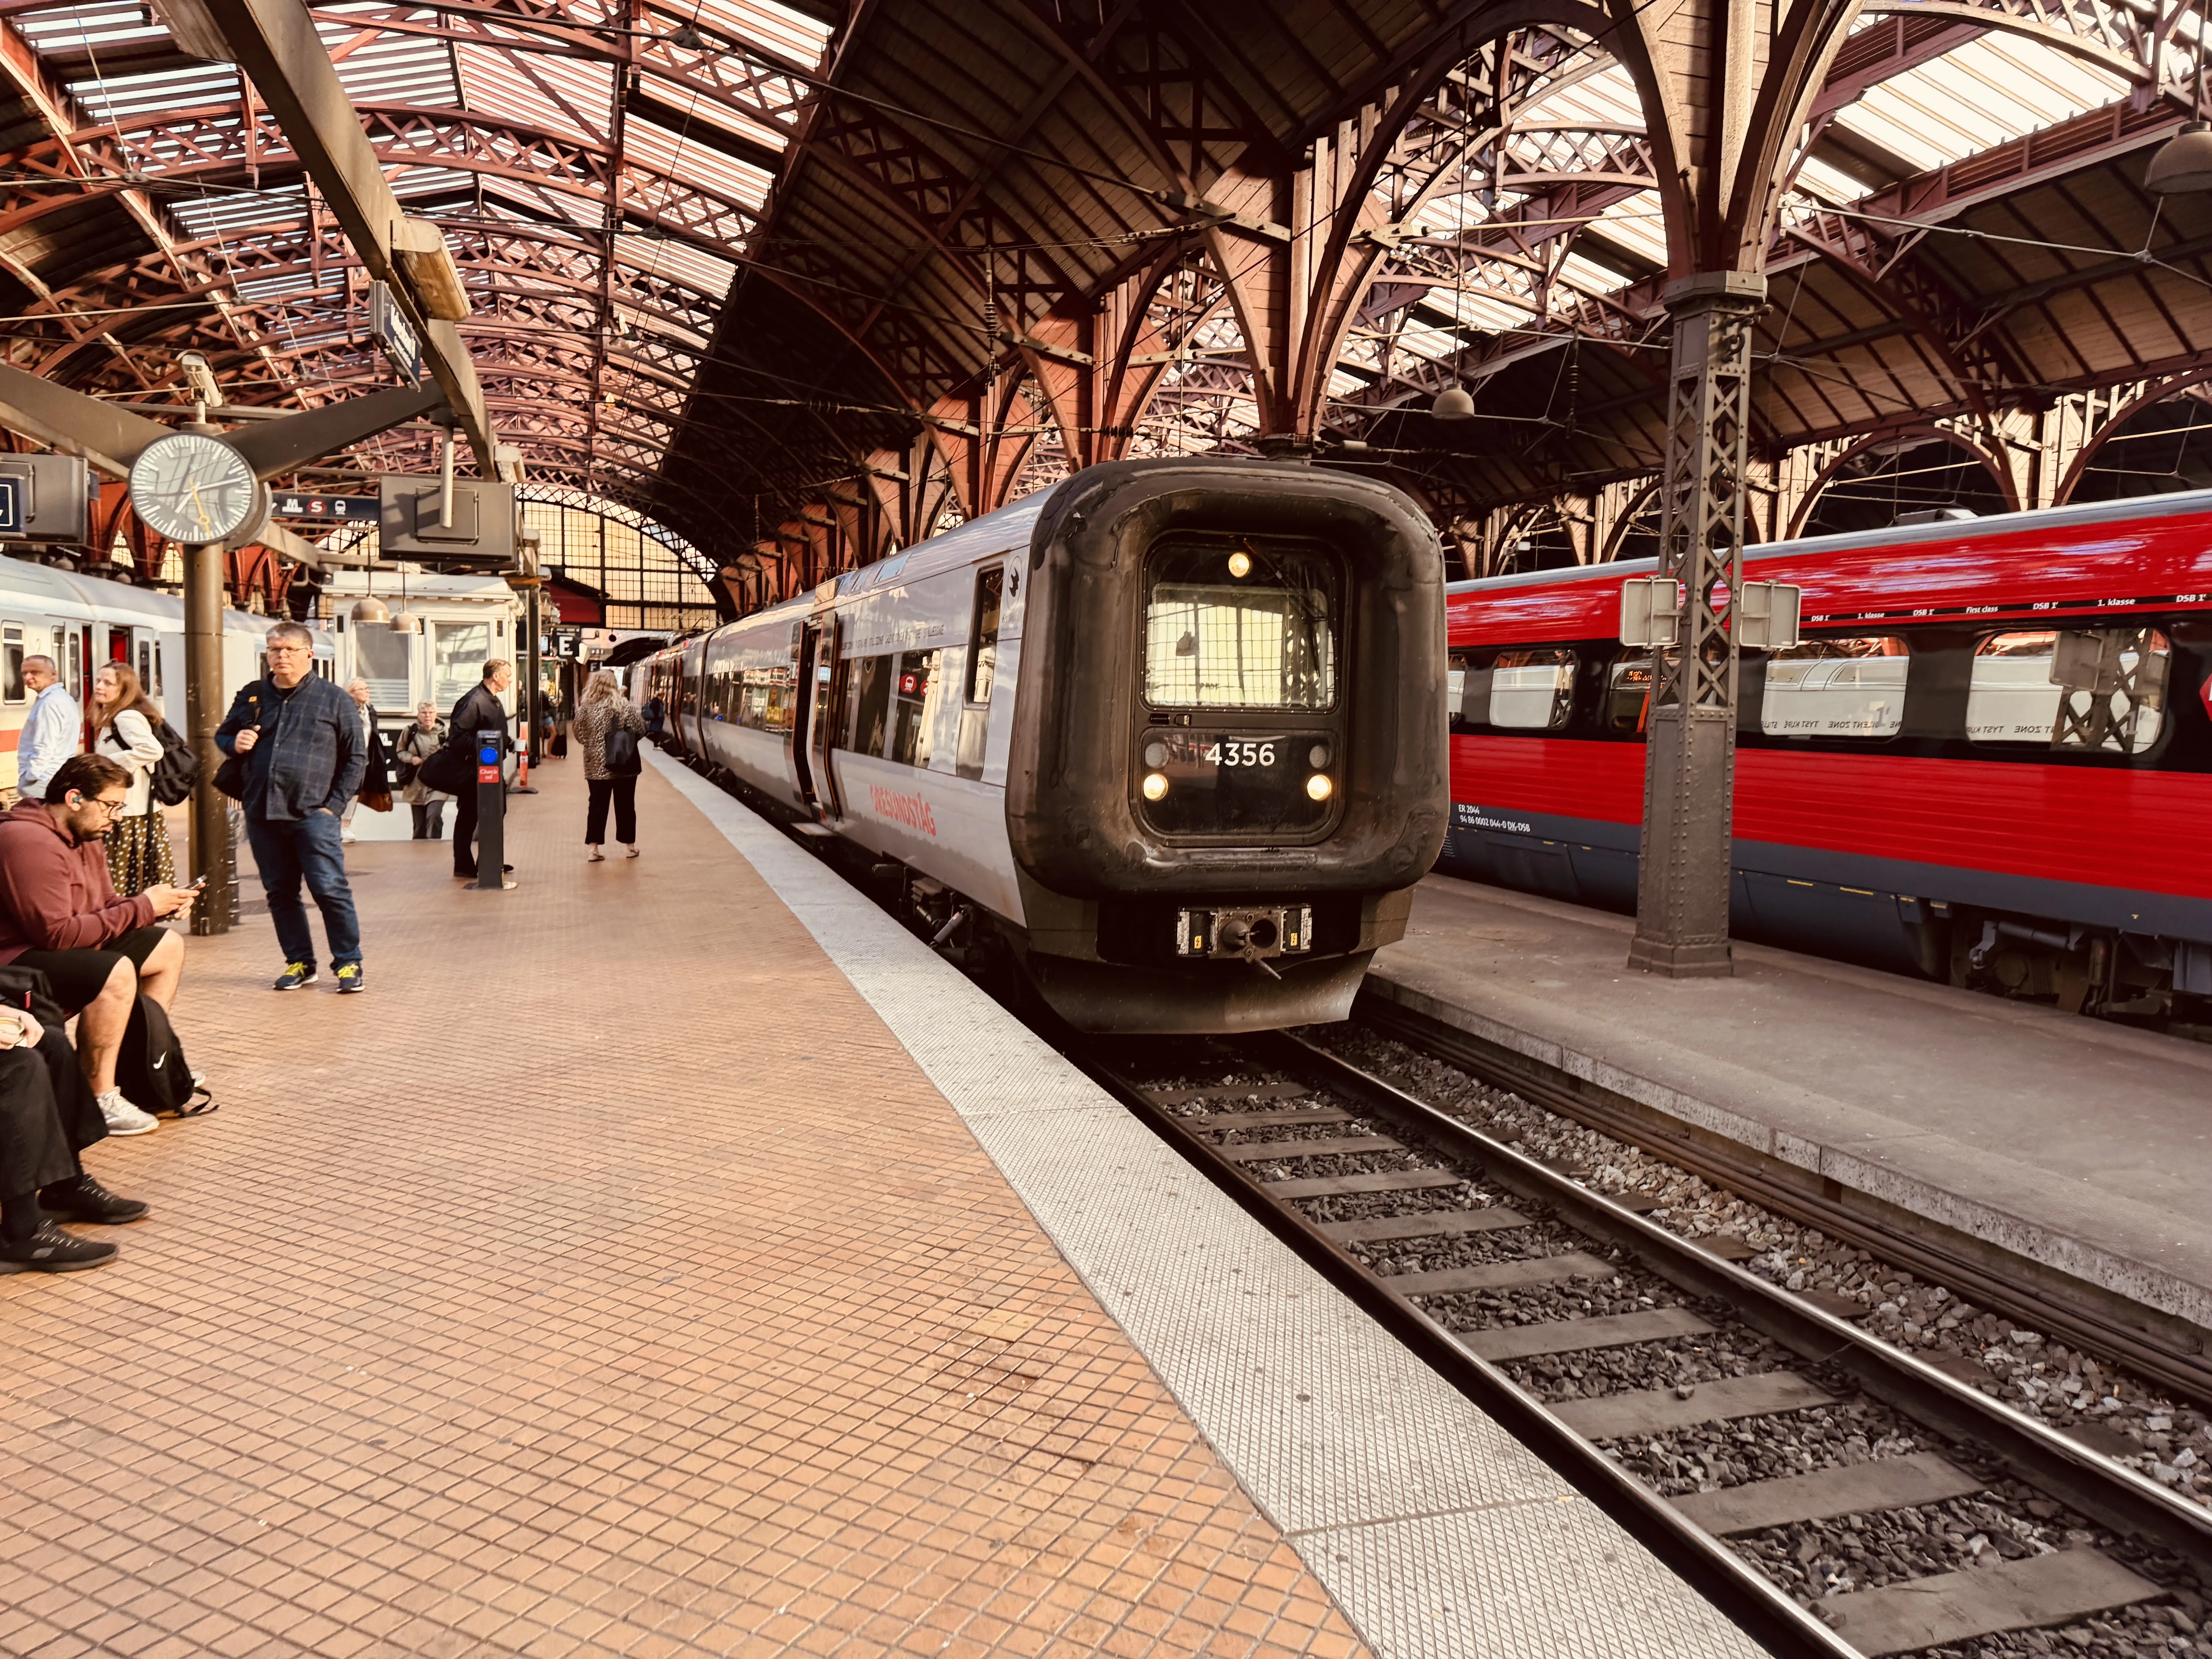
[(618, 753), (178, 769), (150, 1068)]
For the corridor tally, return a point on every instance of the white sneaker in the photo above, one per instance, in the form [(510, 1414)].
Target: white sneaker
[(123, 1118), (346, 837)]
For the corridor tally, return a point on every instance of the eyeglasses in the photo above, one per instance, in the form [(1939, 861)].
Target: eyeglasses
[(290, 650), (113, 806)]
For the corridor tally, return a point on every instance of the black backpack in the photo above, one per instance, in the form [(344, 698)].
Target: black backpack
[(618, 753), (150, 1068), (178, 769)]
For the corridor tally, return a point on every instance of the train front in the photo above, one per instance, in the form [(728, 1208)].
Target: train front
[(1229, 759)]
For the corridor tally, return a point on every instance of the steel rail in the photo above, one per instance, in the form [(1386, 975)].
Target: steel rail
[(2170, 1362), (2105, 1491), (1748, 1599)]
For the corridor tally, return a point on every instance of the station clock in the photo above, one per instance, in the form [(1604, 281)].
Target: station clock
[(195, 489)]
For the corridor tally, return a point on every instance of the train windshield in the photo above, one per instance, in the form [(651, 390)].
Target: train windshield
[(1244, 623)]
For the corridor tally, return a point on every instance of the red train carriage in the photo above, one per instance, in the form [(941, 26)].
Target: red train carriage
[(1988, 761)]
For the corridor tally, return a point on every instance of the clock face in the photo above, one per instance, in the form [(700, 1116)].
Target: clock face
[(192, 488)]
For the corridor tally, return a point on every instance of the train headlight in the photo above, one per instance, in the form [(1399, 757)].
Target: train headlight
[(1156, 785), (1240, 564), (1317, 756), (1319, 788)]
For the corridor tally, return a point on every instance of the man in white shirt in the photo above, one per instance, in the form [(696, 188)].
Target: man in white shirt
[(51, 730)]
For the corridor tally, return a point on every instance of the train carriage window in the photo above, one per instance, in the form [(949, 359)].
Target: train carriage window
[(1628, 696), (1839, 688), (1532, 689), (1240, 626), (11, 643), (1468, 690), (917, 706), (2097, 689), (871, 702), (983, 640)]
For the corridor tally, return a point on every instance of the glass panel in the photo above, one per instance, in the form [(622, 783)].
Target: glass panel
[(983, 648), (2114, 695), (14, 690), (381, 658), (1240, 627), (1532, 689), (1628, 696), (871, 702), (459, 650), (917, 706), (1851, 688)]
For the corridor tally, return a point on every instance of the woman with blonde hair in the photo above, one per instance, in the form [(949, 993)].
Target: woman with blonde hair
[(124, 717), (602, 711)]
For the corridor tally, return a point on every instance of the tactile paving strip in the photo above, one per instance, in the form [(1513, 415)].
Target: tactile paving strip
[(1437, 1533)]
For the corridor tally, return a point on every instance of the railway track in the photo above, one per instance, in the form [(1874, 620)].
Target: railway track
[(1852, 1499)]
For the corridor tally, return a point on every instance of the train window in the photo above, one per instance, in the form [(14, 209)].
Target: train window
[(1240, 626), (1628, 696), (148, 676), (1847, 688), (917, 706), (2098, 689), (1469, 688), (11, 643), (872, 704), (983, 640), (1532, 690)]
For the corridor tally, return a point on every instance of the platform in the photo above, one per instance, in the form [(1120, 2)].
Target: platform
[(2083, 1146), (635, 1270)]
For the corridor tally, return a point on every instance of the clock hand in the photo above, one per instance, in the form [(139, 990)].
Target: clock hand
[(193, 483)]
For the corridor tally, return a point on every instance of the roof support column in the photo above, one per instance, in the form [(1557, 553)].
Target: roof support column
[(1689, 771)]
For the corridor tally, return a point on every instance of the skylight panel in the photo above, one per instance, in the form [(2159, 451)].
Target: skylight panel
[(1590, 276), (399, 68), (1827, 184), (1983, 94), (1607, 99), (678, 262), (188, 86), (564, 96), (769, 134), (693, 161), (1636, 223), (105, 22)]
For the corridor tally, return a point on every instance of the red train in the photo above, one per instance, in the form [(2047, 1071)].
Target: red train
[(1990, 761)]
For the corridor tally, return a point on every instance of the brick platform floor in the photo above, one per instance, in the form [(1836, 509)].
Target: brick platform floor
[(606, 1280)]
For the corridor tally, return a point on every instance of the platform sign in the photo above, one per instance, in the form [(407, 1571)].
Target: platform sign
[(334, 510), (389, 327), (566, 643), (46, 498), (11, 505)]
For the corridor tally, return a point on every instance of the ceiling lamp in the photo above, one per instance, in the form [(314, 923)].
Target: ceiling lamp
[(1453, 404), (371, 610), (406, 622), (2183, 163)]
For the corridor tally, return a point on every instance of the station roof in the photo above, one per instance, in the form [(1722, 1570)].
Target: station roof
[(722, 252)]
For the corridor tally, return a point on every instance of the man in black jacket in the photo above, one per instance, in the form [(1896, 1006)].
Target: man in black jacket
[(479, 710), (298, 738)]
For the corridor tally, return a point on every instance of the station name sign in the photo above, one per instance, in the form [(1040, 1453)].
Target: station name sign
[(389, 327)]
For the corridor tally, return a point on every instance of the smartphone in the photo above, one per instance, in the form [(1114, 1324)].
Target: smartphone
[(196, 885)]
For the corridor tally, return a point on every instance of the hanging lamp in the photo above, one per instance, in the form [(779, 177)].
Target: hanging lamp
[(1453, 403), (2184, 162), (406, 622)]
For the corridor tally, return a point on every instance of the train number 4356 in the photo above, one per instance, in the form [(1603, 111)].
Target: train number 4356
[(1241, 754)]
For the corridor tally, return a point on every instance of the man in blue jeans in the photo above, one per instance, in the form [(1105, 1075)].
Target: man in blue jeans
[(299, 740)]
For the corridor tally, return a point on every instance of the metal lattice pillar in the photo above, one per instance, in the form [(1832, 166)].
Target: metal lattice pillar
[(1689, 769)]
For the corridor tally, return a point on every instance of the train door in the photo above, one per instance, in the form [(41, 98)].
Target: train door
[(816, 715)]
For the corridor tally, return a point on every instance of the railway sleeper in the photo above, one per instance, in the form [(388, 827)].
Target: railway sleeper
[(2045, 1587)]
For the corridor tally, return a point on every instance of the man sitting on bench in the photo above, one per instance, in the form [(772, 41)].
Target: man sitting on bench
[(59, 912), (46, 1118)]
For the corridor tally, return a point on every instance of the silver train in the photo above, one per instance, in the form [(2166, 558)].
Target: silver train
[(1170, 737)]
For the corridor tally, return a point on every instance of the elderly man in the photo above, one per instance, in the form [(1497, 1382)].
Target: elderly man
[(479, 710), (60, 914), (299, 739), (376, 775), (51, 730)]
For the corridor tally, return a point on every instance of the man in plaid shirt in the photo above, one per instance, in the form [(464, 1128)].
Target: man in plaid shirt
[(299, 738)]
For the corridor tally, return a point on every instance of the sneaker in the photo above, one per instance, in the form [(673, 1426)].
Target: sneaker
[(297, 976), (85, 1200), (349, 979), (123, 1118), (51, 1250), (346, 838)]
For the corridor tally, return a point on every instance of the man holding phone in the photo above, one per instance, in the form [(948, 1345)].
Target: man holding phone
[(59, 912), (298, 740)]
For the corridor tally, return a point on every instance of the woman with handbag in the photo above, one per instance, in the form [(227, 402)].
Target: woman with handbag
[(416, 744), (138, 852), (607, 727)]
